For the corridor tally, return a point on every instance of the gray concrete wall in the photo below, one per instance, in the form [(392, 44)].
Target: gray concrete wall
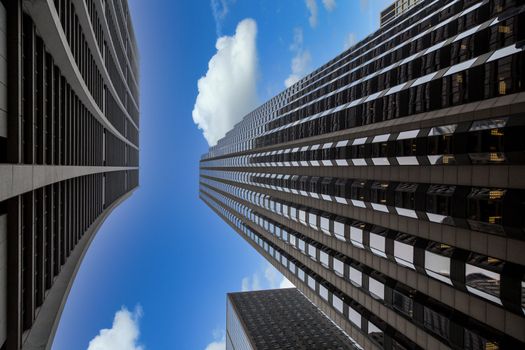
[(3, 73)]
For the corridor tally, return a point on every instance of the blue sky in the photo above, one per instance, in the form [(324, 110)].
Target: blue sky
[(162, 254)]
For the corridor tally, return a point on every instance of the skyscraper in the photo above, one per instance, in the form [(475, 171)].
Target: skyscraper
[(388, 185), (69, 121), (279, 319)]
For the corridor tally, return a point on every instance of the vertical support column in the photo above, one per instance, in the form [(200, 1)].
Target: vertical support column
[(49, 236), (28, 73), (40, 109), (50, 113), (14, 81), (40, 247), (28, 259), (14, 273)]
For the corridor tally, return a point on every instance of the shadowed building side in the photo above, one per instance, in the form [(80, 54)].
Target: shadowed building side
[(69, 149)]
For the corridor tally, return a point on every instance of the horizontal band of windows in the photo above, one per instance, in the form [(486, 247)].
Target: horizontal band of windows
[(491, 141), (436, 260), (376, 289), (492, 210)]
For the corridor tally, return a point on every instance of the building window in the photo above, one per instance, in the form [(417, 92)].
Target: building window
[(375, 333), (404, 250), (403, 303), (377, 244), (312, 252), (376, 288), (356, 236), (482, 277), (337, 303), (354, 317), (339, 229), (323, 257), (311, 282), (338, 267), (356, 277), (323, 292), (437, 265)]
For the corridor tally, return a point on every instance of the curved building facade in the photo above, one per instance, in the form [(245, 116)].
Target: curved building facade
[(69, 149), (388, 184)]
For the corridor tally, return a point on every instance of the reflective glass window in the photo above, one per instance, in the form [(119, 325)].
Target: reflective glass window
[(356, 236), (312, 252), (438, 266), (338, 267), (404, 250), (324, 258), (375, 333), (311, 282), (354, 317), (403, 303), (337, 303), (482, 277), (323, 292), (376, 288), (377, 244), (356, 276), (339, 230)]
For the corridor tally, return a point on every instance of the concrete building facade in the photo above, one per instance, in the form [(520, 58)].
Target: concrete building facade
[(388, 185), (280, 319), (69, 149)]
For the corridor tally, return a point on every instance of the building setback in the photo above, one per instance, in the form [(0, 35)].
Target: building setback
[(69, 149), (280, 319), (388, 185)]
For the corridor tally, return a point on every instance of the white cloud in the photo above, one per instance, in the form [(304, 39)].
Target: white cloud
[(285, 283), (219, 9), (123, 335), (217, 345), (252, 283), (219, 342), (350, 40), (312, 8), (271, 279), (228, 90), (329, 5), (301, 61)]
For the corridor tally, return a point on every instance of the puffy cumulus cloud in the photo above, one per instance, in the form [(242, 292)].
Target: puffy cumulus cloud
[(123, 335), (267, 278), (311, 5), (329, 5), (350, 40), (228, 90), (301, 60), (219, 342)]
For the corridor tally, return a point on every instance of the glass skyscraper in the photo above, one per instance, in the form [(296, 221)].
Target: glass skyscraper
[(389, 184), (69, 146)]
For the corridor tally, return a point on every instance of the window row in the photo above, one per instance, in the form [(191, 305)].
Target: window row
[(491, 141), (478, 274), (396, 68), (499, 76), (409, 303), (492, 210), (57, 129)]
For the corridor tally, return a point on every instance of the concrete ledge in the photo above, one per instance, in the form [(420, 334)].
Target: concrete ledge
[(17, 179), (41, 334)]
